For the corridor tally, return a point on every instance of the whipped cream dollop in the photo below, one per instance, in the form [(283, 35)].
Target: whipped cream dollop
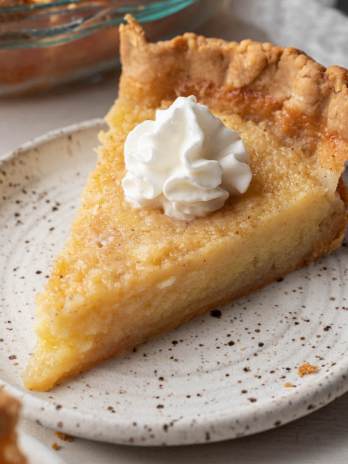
[(185, 161)]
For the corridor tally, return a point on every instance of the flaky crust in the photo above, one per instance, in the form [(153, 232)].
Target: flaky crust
[(302, 101)]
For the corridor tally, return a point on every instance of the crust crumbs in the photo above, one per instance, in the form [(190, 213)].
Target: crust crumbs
[(56, 447), (64, 437), (307, 369), (289, 385)]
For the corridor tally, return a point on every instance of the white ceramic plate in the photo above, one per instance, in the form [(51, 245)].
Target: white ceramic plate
[(36, 452), (221, 376)]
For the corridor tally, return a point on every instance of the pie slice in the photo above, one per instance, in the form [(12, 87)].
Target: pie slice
[(9, 412), (129, 274)]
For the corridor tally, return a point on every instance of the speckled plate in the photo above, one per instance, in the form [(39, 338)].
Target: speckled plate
[(231, 373)]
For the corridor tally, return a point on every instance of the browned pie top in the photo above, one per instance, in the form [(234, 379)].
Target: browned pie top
[(302, 101)]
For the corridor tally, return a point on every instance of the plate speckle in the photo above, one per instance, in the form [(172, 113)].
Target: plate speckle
[(228, 374)]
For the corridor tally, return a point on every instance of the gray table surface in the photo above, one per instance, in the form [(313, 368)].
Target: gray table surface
[(319, 438)]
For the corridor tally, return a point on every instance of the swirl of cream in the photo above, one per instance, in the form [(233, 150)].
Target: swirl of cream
[(185, 161)]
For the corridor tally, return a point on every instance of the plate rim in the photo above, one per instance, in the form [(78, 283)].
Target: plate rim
[(36, 142), (318, 392)]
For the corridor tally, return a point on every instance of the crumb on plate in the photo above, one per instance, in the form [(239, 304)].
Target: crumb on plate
[(307, 369), (56, 447), (289, 385), (64, 437)]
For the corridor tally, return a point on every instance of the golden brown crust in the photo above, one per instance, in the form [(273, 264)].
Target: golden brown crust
[(304, 102)]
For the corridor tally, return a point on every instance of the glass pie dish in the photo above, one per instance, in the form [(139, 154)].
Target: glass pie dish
[(47, 43)]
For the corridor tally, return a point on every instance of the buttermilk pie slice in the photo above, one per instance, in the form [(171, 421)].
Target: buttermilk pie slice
[(128, 274)]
